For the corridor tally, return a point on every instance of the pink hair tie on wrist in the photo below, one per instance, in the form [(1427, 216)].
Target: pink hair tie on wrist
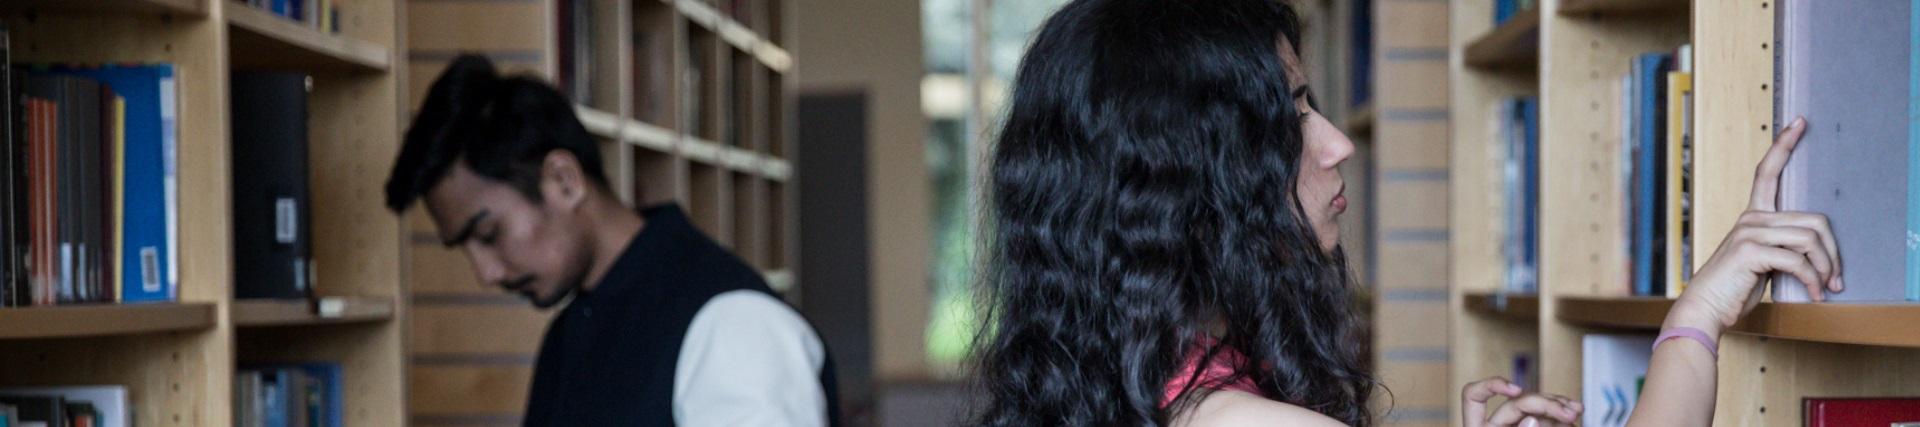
[(1688, 333)]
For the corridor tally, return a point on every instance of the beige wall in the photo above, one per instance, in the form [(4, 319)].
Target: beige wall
[(874, 46)]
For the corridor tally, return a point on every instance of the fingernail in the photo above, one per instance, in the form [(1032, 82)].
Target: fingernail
[(1797, 122), (1839, 284), (1529, 422)]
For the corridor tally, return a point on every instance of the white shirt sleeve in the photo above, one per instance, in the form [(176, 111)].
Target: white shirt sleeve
[(749, 359)]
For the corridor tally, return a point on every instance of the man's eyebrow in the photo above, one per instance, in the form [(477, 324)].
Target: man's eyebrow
[(466, 231)]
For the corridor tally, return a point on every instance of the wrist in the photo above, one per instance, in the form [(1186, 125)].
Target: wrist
[(1691, 313)]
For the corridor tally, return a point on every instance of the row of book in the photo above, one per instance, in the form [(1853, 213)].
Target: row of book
[(1852, 69), (298, 395), (88, 184), (89, 198), (1613, 370), (1504, 10), (1517, 136), (320, 15), (1656, 150), (70, 406)]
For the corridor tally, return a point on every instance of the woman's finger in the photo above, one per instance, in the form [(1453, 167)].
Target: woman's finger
[(1474, 397), (1812, 221), (1766, 176), (1793, 263), (1802, 240), (1513, 411)]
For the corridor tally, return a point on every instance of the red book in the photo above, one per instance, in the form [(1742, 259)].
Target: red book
[(1854, 412)]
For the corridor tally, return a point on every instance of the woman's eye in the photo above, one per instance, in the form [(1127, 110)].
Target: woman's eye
[(490, 237)]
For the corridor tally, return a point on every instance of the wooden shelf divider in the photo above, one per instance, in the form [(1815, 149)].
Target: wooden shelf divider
[(195, 8), (265, 40), (270, 312), (1516, 307), (1576, 7), (92, 320), (1513, 44), (1889, 325)]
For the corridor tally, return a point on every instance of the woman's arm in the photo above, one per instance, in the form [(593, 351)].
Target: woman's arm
[(1683, 376)]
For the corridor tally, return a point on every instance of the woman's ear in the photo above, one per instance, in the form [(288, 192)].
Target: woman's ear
[(562, 183)]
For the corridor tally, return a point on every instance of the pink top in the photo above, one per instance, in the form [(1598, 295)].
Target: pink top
[(1213, 376)]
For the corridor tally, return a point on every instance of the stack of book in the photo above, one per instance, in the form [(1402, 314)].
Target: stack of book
[(1656, 149), (299, 395), (1517, 132), (71, 406), (88, 184)]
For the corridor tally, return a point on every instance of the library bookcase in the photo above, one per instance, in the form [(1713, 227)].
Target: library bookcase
[(1570, 53), (692, 102), (178, 359)]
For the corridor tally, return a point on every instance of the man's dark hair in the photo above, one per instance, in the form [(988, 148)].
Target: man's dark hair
[(501, 127)]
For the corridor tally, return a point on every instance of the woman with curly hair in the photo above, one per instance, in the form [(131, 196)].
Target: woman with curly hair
[(1164, 247)]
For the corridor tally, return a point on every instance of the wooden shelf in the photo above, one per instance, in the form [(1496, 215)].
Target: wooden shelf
[(735, 34), (1576, 7), (136, 7), (262, 40), (75, 321), (267, 312), (1514, 44), (1517, 307), (1360, 121), (1866, 324)]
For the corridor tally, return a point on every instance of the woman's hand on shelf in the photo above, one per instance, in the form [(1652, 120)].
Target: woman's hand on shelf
[(1763, 241), (1521, 409)]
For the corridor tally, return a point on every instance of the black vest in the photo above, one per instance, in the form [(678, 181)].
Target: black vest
[(608, 359)]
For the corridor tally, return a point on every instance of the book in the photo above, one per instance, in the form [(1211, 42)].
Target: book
[(1848, 412), (1835, 62), (50, 410), (271, 208), (295, 394), (1612, 369), (1648, 124), (1679, 201), (108, 405)]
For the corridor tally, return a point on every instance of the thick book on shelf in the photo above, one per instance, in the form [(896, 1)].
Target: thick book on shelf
[(270, 193), (47, 410), (1837, 62), (108, 404), (305, 395), (147, 213), (1612, 369), (1852, 412)]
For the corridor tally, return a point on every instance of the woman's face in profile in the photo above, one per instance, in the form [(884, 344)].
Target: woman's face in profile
[(1319, 187)]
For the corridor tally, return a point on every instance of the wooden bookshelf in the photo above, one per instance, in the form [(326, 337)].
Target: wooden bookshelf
[(1513, 307), (263, 40), (690, 105), (78, 321), (258, 313), (1514, 44), (1777, 355)]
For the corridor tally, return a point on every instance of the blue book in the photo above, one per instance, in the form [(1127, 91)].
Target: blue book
[(1504, 10), (1649, 72), (149, 227), (327, 412), (1530, 161), (274, 402)]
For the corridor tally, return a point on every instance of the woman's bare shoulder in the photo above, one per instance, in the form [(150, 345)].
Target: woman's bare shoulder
[(1234, 409)]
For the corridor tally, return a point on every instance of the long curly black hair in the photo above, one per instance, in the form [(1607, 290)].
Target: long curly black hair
[(1142, 197)]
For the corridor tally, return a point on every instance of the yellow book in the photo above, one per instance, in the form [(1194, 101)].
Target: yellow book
[(115, 211), (1679, 185)]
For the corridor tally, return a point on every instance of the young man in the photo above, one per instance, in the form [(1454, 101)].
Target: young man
[(661, 326)]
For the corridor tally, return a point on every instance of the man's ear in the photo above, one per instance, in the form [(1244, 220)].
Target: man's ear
[(562, 183)]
